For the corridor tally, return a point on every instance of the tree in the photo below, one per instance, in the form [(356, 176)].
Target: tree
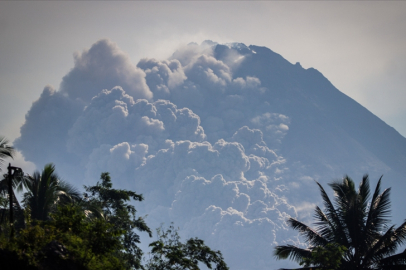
[(17, 183), (67, 241), (116, 211), (326, 257), (355, 225), (6, 150), (169, 253), (64, 231), (46, 191), (14, 179)]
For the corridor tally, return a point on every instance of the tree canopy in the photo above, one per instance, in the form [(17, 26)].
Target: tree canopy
[(45, 191), (6, 151), (61, 229), (116, 210), (355, 226), (169, 253)]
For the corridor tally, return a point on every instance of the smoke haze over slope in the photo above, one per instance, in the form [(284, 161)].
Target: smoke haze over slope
[(223, 139)]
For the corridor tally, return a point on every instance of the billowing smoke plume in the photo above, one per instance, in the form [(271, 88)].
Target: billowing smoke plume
[(103, 66), (200, 135)]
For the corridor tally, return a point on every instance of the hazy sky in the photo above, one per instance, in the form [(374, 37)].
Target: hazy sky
[(358, 46)]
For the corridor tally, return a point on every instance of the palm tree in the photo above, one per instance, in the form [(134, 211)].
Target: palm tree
[(46, 191), (17, 181), (6, 150), (17, 185), (352, 222), (13, 216)]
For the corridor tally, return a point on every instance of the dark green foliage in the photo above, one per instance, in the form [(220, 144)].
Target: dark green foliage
[(5, 211), (101, 236), (168, 253), (356, 225), (45, 191), (60, 230), (116, 210), (327, 257), (67, 241)]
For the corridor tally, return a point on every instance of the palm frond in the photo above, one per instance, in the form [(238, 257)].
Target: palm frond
[(21, 182), (382, 246), (389, 242), (310, 235), (344, 192), (352, 208), (6, 151), (46, 191), (68, 192), (333, 216), (364, 193), (4, 186), (326, 228), (371, 228), (381, 209), (291, 252), (397, 261)]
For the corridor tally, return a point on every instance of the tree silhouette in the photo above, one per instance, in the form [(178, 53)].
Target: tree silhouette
[(169, 253), (353, 222), (46, 191), (6, 151), (116, 210)]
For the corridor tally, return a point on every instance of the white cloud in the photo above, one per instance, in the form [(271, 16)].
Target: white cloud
[(210, 73), (162, 76), (120, 160), (113, 117), (103, 66), (19, 161)]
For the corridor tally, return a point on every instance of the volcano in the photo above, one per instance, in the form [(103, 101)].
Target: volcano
[(225, 140)]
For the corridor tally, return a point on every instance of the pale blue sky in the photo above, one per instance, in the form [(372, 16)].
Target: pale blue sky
[(358, 46)]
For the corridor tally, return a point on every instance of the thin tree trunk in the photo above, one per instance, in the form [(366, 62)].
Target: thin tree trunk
[(10, 196)]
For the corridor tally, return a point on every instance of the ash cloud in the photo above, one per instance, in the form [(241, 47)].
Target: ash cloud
[(204, 135), (103, 66), (45, 131), (113, 116), (186, 132)]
